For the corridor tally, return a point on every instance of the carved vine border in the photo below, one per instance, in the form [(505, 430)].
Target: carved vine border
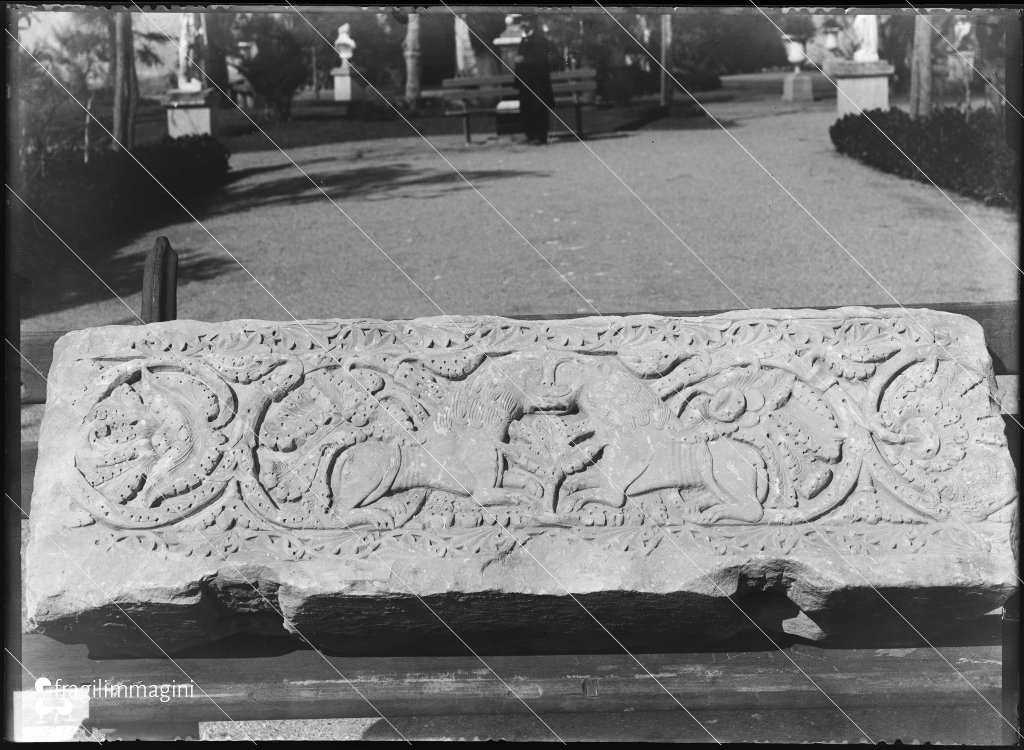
[(492, 542), (230, 352)]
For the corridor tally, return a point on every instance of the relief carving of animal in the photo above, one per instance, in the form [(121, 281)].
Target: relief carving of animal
[(460, 449), (646, 450)]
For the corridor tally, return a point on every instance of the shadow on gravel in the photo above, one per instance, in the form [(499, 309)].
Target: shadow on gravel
[(698, 121), (237, 175), (375, 183), (51, 278)]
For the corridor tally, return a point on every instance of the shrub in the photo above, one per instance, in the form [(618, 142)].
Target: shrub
[(112, 195), (962, 151), (697, 79), (192, 163), (278, 68)]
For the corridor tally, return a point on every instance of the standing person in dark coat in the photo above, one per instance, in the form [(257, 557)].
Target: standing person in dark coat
[(533, 79)]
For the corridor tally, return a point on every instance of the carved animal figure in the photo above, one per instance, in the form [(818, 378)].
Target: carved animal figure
[(460, 449), (646, 450), (727, 477)]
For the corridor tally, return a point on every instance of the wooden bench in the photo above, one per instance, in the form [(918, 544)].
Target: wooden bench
[(472, 96), (750, 689)]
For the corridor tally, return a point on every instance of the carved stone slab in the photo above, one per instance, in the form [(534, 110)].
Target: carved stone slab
[(366, 485)]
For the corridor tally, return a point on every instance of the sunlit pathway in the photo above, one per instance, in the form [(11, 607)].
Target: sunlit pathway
[(610, 250)]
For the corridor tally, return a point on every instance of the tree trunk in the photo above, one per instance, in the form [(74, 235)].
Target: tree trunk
[(126, 83), (465, 56), (133, 84), (316, 69), (412, 60), (921, 69), (88, 120), (666, 58), (215, 51)]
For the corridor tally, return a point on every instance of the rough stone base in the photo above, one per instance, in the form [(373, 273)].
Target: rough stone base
[(861, 86), (186, 121), (777, 595), (797, 87)]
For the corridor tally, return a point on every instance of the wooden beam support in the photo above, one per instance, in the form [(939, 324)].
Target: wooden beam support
[(303, 684)]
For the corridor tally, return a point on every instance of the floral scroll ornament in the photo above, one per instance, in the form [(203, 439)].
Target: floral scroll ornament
[(928, 425), (154, 442), (350, 436)]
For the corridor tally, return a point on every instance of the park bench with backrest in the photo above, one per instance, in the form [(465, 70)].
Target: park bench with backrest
[(465, 97), (751, 690)]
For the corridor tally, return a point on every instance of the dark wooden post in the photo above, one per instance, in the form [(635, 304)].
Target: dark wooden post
[(160, 283)]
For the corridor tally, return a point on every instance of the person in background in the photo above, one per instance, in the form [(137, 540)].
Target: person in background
[(533, 79)]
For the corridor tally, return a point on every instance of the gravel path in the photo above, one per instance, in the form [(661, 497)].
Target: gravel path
[(552, 229)]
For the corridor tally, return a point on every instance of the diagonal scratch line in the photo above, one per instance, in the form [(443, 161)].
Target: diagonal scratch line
[(92, 737), (260, 593), (841, 246), (796, 200), (442, 311), (129, 617), (691, 560), (491, 205), (961, 56), (581, 295), (877, 127), (848, 253), (255, 588)]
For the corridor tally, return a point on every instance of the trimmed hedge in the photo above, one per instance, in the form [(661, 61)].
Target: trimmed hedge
[(961, 151), (112, 195)]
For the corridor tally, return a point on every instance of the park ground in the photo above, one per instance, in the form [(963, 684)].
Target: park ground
[(666, 214), (674, 215)]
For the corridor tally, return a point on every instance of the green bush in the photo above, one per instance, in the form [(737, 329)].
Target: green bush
[(697, 79), (962, 151), (192, 163), (112, 195)]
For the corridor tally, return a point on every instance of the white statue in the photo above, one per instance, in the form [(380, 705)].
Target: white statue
[(962, 28), (187, 51), (344, 43), (865, 29)]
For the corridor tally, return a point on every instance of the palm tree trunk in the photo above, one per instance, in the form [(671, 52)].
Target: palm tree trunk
[(88, 120), (412, 60), (921, 69), (666, 59), (465, 56), (126, 83)]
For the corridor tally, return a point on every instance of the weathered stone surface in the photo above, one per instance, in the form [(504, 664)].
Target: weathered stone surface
[(861, 86), (336, 478)]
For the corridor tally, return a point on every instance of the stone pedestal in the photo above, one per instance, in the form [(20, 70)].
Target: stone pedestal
[(189, 112), (345, 88), (797, 87), (862, 86), (506, 117), (680, 480), (508, 44)]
